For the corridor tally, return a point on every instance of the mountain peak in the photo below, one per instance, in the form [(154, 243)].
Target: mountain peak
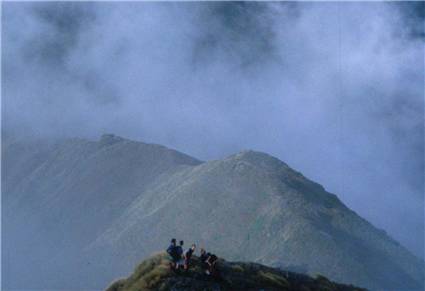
[(250, 153), (259, 159), (154, 274), (109, 139)]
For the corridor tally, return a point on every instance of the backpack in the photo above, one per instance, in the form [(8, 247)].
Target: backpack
[(172, 251), (179, 251)]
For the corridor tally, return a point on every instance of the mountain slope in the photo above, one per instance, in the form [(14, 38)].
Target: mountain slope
[(59, 196), (251, 206), (154, 274), (79, 205)]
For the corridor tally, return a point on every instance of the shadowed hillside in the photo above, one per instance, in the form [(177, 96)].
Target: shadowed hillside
[(154, 274)]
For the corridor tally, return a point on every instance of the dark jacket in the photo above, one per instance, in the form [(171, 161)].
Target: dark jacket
[(172, 251)]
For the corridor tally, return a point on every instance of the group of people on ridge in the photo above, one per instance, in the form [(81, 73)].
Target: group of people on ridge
[(181, 259)]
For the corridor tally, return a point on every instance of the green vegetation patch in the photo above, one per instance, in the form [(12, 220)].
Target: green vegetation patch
[(274, 279)]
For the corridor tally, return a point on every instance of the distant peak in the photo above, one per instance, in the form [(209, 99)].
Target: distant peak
[(256, 157), (109, 139), (250, 153)]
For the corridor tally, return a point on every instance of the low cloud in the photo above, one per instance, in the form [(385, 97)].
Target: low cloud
[(333, 89)]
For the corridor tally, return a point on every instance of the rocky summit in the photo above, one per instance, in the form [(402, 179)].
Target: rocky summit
[(154, 274)]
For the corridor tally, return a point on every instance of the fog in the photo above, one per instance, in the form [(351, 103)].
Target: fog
[(333, 89)]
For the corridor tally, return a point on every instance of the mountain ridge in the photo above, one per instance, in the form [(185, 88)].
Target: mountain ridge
[(119, 198)]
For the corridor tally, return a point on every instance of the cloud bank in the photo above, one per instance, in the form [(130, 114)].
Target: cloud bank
[(333, 89)]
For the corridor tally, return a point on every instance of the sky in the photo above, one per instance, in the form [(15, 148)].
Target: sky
[(336, 90)]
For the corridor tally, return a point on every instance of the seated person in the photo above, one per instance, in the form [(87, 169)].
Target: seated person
[(203, 258), (212, 261)]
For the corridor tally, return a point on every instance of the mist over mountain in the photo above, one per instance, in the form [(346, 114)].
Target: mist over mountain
[(79, 213), (333, 88)]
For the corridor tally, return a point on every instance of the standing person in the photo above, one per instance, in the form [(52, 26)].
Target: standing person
[(188, 255), (180, 253), (172, 252)]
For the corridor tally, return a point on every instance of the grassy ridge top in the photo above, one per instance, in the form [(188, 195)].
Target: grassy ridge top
[(154, 274)]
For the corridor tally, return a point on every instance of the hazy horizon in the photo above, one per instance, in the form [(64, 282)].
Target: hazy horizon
[(333, 89)]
